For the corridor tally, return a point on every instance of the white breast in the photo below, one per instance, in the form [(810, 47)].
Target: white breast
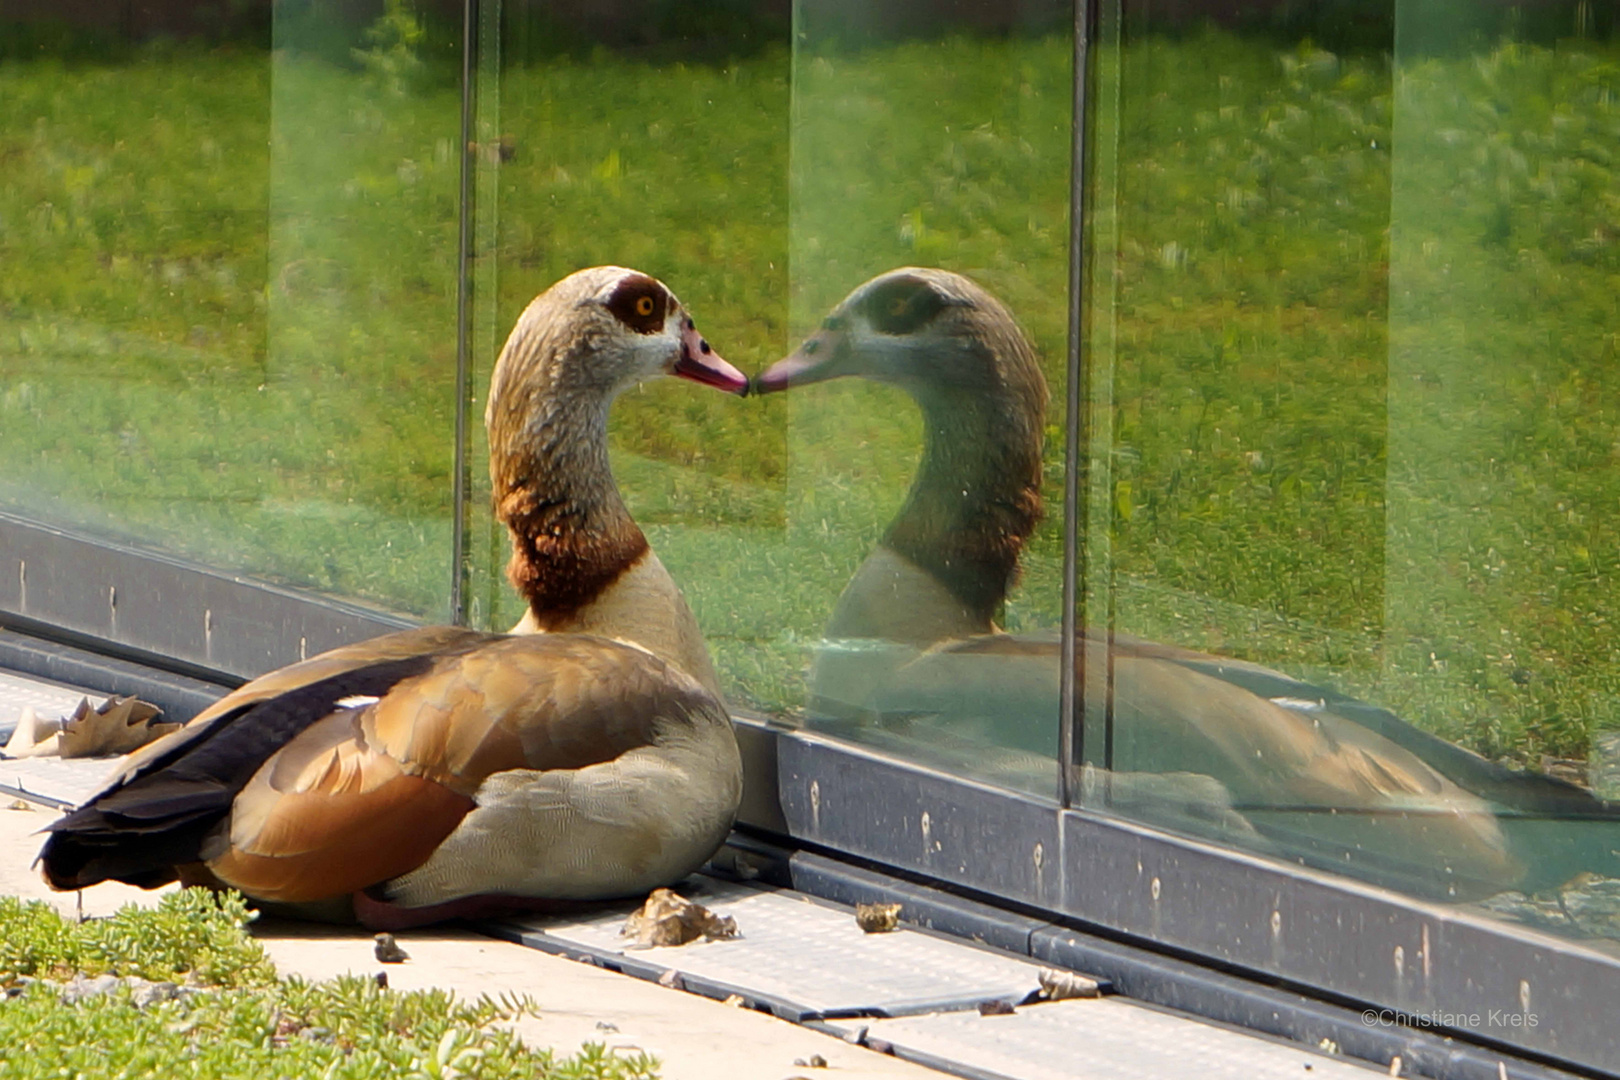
[(643, 607)]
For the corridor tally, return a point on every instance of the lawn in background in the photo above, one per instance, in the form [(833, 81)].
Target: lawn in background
[(1361, 421)]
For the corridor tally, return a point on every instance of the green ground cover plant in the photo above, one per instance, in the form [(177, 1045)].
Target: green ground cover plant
[(1351, 320), (236, 1018)]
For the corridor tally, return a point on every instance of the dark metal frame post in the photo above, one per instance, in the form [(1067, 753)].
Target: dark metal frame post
[(460, 482), (1070, 696)]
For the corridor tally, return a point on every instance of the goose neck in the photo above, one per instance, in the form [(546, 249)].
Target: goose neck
[(572, 536)]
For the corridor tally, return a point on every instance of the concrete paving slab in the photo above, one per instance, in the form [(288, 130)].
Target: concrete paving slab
[(56, 782), (694, 1037)]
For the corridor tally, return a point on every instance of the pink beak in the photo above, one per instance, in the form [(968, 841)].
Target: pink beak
[(702, 364)]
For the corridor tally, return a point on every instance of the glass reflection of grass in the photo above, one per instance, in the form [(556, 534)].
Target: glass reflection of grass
[(1255, 379), (143, 396), (1413, 494)]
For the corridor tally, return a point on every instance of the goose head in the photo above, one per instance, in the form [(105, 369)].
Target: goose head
[(578, 345), (934, 334), (958, 352), (590, 336)]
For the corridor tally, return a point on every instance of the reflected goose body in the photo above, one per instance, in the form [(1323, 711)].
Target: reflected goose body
[(914, 662)]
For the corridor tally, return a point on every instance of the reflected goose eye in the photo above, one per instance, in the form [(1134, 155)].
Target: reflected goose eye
[(902, 307)]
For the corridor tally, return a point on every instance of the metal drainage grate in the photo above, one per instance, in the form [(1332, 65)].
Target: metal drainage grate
[(802, 959)]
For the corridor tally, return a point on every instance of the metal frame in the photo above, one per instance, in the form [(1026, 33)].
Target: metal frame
[(1353, 942), (461, 477), (176, 615)]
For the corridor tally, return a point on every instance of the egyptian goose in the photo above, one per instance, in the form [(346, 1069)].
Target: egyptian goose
[(444, 772), (913, 655)]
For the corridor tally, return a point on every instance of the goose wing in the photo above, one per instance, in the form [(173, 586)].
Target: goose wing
[(354, 769), (397, 646)]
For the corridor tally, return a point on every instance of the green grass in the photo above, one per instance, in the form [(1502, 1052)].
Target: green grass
[(1355, 409), (1363, 416), (241, 1021)]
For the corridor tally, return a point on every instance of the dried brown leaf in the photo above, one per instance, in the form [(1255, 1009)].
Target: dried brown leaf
[(117, 726), (668, 918)]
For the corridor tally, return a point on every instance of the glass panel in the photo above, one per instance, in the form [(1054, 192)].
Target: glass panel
[(658, 144), (930, 197), (1502, 532), (1351, 434), (227, 322)]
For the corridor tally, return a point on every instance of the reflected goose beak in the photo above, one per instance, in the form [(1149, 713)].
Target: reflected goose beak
[(817, 360), (700, 363)]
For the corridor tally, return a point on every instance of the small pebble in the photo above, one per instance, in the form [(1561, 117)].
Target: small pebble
[(672, 979), (152, 993), (603, 1025), (388, 950), (877, 918), (81, 988), (814, 1061), (382, 980), (736, 1001), (996, 1008)]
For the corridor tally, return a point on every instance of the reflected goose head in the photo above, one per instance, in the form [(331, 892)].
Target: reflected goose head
[(976, 496), (924, 330)]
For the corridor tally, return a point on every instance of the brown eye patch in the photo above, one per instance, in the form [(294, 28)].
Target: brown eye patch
[(901, 307), (640, 303)]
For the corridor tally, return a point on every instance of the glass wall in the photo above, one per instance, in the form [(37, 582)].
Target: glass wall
[(227, 321), (930, 189), (1351, 327)]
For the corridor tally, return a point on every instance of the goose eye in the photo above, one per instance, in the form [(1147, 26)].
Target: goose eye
[(640, 303), (897, 307)]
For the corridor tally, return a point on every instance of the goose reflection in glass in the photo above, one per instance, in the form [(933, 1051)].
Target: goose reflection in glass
[(913, 660)]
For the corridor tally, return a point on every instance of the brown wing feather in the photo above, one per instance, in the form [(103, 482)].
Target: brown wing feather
[(544, 701), (396, 646), (367, 793), (317, 845)]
